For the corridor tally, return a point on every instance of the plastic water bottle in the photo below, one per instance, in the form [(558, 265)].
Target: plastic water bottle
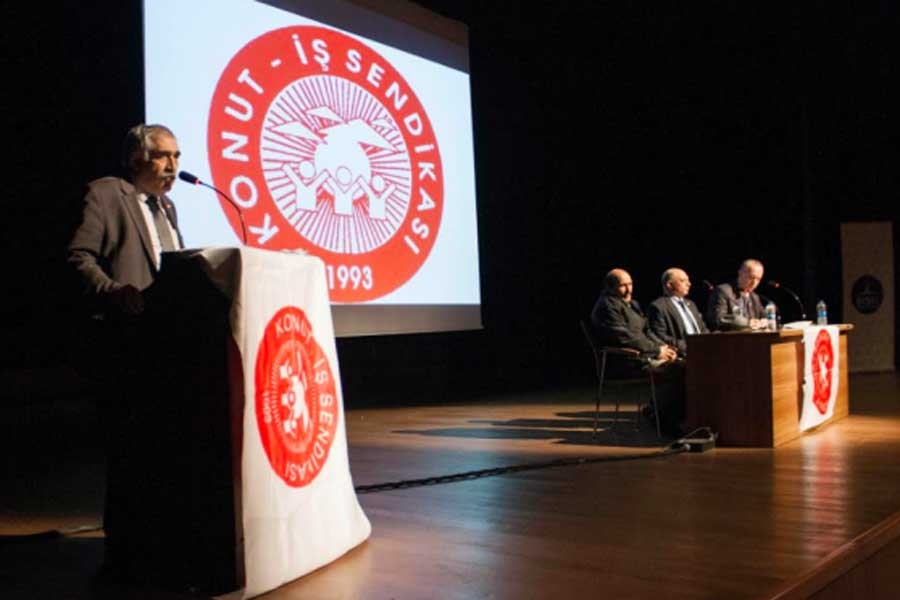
[(771, 317), (821, 313)]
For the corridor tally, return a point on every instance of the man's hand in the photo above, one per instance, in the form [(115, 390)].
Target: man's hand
[(667, 353), (128, 299), (758, 323)]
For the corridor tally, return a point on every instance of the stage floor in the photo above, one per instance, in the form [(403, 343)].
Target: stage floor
[(729, 523)]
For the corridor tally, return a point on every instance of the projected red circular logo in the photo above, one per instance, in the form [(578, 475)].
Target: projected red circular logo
[(326, 147), (296, 402), (822, 366)]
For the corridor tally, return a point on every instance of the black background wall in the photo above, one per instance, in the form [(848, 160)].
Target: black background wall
[(640, 135)]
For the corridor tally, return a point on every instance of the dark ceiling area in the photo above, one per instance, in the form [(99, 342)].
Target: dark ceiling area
[(635, 135)]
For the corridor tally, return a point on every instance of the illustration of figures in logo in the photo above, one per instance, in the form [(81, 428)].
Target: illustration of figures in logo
[(342, 181), (294, 397), (822, 363)]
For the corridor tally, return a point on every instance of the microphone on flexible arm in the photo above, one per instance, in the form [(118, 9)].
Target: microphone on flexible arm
[(778, 286), (709, 287), (190, 178)]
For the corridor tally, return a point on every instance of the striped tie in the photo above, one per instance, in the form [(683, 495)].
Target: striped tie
[(689, 320), (162, 225)]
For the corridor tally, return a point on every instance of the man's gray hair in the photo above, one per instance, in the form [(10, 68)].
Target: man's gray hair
[(140, 140)]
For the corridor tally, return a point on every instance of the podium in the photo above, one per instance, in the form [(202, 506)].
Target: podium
[(234, 476), (748, 386)]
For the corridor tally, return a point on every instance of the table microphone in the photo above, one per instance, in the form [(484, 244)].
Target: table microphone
[(778, 286), (709, 287), (191, 178)]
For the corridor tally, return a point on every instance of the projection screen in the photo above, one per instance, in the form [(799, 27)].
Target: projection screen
[(341, 129)]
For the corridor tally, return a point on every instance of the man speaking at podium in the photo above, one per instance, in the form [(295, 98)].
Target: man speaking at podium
[(126, 222)]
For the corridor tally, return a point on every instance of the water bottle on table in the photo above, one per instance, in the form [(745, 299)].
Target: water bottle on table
[(771, 317), (821, 313)]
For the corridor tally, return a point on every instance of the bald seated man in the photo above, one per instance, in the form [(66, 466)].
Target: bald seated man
[(735, 305), (618, 320), (673, 316)]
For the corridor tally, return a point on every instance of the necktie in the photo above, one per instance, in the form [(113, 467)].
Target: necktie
[(689, 318), (162, 225), (745, 305)]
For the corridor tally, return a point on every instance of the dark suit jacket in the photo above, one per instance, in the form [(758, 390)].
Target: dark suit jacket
[(111, 246), (620, 324), (666, 323), (720, 308)]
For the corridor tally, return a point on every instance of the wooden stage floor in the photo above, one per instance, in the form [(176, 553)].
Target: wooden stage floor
[(730, 523)]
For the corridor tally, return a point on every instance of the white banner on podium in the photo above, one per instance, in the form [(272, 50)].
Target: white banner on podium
[(821, 375), (300, 510)]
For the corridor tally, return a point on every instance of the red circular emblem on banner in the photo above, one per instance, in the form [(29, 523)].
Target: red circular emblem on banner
[(326, 147), (822, 365), (296, 402)]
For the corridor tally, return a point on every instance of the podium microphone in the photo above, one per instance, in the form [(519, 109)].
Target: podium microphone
[(778, 286), (709, 287), (191, 178)]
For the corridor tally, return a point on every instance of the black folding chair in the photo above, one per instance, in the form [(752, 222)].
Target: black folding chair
[(627, 357)]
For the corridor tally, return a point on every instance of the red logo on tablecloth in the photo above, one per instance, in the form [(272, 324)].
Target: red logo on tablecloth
[(327, 148), (822, 366), (296, 402)]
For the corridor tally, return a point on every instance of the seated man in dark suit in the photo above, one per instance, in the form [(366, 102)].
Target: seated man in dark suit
[(618, 321), (735, 305), (673, 316)]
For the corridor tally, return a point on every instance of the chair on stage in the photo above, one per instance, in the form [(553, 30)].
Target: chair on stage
[(630, 360)]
